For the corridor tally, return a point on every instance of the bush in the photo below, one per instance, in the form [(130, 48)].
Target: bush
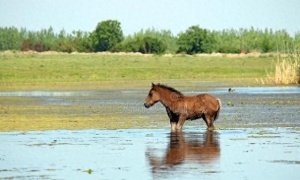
[(38, 47), (26, 45), (154, 45), (146, 45)]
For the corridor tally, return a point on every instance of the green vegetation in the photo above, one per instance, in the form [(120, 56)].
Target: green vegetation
[(46, 69), (108, 36), (195, 40), (144, 42), (89, 171)]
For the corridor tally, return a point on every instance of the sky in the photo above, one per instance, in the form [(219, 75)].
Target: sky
[(135, 15)]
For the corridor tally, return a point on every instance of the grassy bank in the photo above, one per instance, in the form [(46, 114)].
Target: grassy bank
[(36, 71)]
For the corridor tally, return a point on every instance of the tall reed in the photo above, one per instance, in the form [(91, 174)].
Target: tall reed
[(287, 68)]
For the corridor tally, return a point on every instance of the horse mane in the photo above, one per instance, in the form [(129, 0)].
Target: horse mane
[(170, 89)]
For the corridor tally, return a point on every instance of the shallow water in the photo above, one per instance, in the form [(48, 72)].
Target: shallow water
[(238, 90), (263, 153), (260, 90), (257, 136), (245, 107)]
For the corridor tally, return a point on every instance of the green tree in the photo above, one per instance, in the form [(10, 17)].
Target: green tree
[(47, 38), (107, 35), (228, 41), (64, 42), (296, 43), (266, 45), (193, 41), (81, 41), (10, 38)]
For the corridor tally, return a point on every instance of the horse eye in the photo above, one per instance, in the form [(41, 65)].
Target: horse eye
[(150, 94)]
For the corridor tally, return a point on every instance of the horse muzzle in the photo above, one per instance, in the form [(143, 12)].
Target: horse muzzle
[(147, 105)]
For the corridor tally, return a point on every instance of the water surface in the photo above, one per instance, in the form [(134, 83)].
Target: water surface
[(151, 154), (257, 136)]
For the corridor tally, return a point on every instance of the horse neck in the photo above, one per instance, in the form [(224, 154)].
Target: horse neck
[(166, 97)]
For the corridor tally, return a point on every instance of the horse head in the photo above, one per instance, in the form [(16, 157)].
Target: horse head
[(153, 97)]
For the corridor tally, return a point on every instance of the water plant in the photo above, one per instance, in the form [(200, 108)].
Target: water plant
[(89, 171)]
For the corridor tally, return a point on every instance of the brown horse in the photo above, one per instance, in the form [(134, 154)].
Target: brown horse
[(181, 108)]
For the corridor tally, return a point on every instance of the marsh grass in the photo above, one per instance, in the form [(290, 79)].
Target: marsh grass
[(287, 69)]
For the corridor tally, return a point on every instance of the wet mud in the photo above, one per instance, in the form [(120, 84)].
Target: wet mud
[(110, 135)]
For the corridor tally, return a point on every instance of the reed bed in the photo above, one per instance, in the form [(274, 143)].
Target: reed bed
[(287, 69)]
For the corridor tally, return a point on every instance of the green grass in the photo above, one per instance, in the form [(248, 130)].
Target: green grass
[(17, 70)]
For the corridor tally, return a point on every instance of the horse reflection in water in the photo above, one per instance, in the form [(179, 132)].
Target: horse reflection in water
[(186, 148)]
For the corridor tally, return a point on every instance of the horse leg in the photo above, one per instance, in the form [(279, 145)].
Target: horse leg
[(180, 123), (173, 126), (205, 120), (173, 119), (210, 124), (174, 122), (169, 113)]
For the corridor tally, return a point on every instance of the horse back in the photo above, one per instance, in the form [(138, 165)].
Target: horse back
[(203, 101), (209, 101)]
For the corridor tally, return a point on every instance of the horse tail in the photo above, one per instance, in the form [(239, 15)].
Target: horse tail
[(218, 111)]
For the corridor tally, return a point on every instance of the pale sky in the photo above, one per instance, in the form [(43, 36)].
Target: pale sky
[(134, 15)]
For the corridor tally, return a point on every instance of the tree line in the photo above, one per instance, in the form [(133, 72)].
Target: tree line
[(108, 36)]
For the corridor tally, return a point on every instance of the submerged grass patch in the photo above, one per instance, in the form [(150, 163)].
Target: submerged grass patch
[(51, 117), (32, 113), (51, 122)]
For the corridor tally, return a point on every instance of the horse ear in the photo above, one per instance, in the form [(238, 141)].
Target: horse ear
[(153, 84)]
